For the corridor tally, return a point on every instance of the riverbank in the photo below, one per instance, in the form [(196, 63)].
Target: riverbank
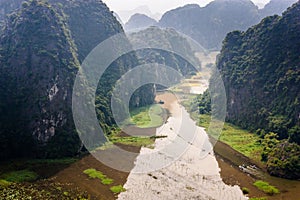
[(229, 161), (60, 179), (188, 176), (66, 179), (238, 154)]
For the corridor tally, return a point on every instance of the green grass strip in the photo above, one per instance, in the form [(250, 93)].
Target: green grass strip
[(240, 140), (147, 117), (117, 189), (266, 187), (93, 173), (19, 176)]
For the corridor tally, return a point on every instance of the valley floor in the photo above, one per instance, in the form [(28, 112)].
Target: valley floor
[(67, 181), (194, 174)]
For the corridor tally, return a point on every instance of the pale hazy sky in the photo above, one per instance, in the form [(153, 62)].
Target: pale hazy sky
[(158, 6)]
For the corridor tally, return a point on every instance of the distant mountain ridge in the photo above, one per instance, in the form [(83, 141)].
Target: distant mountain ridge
[(276, 7), (138, 22), (210, 24), (143, 9)]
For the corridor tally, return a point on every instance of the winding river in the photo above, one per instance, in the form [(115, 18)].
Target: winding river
[(190, 176)]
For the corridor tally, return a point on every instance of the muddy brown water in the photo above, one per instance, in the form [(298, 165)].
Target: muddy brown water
[(74, 176), (228, 159), (230, 173)]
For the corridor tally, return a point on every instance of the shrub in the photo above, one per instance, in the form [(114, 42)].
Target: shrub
[(266, 187), (283, 160), (20, 176), (258, 198), (107, 181), (117, 189), (245, 190), (93, 173), (4, 183)]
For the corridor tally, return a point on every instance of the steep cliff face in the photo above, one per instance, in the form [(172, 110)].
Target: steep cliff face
[(93, 15), (261, 73), (42, 46), (260, 69), (38, 66), (90, 22), (166, 42)]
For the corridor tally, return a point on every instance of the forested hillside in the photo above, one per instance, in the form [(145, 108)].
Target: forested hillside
[(42, 45), (38, 67), (261, 73), (167, 39)]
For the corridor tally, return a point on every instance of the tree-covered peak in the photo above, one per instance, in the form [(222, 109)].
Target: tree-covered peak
[(261, 73)]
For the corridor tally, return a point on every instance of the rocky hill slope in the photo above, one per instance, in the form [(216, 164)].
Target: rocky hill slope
[(261, 73), (42, 45)]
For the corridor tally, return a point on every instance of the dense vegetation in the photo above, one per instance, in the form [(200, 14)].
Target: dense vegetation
[(38, 66), (44, 189), (260, 70), (148, 116), (266, 187), (210, 24), (42, 45), (6, 7), (170, 40)]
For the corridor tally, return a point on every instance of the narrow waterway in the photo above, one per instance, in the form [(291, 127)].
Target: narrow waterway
[(188, 176)]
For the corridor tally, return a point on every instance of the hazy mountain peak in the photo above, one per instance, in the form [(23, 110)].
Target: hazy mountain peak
[(209, 25), (126, 14), (276, 7), (139, 21)]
